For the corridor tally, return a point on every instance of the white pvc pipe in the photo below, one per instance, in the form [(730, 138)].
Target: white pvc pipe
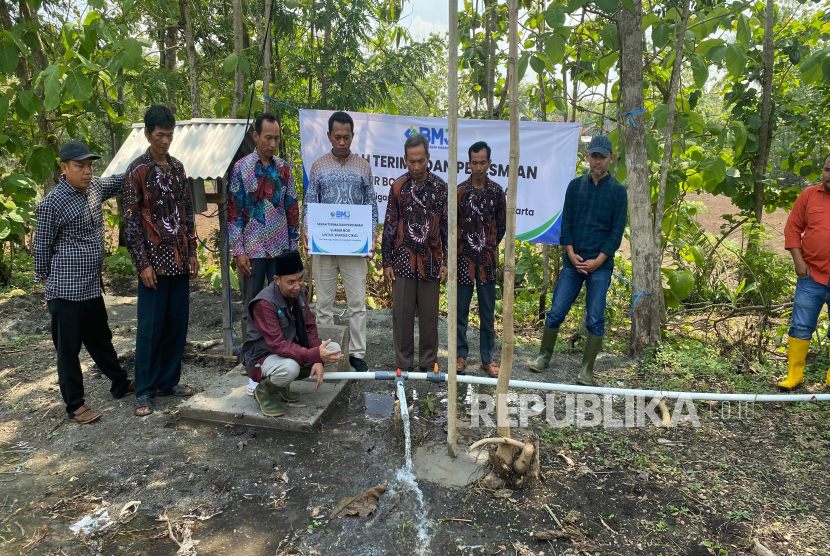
[(402, 398), (601, 390)]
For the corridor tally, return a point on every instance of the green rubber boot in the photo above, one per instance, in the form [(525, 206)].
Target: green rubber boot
[(589, 356), (268, 401), (285, 393), (546, 351)]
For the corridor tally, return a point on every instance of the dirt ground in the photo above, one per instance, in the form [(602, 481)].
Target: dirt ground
[(240, 490)]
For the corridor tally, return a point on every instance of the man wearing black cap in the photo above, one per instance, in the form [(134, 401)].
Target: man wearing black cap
[(69, 253), (282, 343), (593, 222)]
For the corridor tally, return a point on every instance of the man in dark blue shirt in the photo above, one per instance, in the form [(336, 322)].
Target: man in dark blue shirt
[(593, 222)]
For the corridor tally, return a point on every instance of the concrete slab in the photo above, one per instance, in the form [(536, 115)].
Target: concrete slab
[(227, 401), (432, 463)]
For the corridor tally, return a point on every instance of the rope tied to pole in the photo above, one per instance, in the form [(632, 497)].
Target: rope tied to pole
[(637, 297), (614, 119)]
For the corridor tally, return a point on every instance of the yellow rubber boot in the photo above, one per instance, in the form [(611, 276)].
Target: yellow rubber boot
[(796, 354), (828, 378)]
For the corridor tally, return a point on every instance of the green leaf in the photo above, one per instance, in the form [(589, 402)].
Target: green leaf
[(700, 71), (671, 301), (523, 60), (216, 280), (234, 281), (4, 109), (744, 33), (133, 55), (555, 17), (708, 45), (555, 48), (8, 59), (5, 229), (230, 63), (629, 5), (89, 64), (78, 85), (51, 87), (825, 69), (681, 282), (245, 65), (739, 131), (735, 60), (607, 62), (716, 54), (127, 6), (700, 257), (20, 215), (661, 116), (610, 38), (29, 102), (41, 162), (607, 6), (714, 170), (653, 148), (537, 64), (574, 5), (660, 35), (811, 69)]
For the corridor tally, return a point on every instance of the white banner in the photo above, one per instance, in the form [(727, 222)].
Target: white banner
[(339, 229), (547, 159)]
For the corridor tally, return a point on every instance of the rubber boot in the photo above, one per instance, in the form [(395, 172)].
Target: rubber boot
[(285, 393), (796, 355), (828, 378), (546, 351), (589, 356), (268, 402)]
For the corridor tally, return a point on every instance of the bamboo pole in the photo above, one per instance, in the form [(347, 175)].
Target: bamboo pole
[(510, 235), (452, 209)]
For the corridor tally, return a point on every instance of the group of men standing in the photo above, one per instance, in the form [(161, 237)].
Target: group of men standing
[(264, 227)]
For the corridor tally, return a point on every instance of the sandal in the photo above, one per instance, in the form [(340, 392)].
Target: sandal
[(491, 368), (142, 403), (460, 365), (84, 415), (178, 390)]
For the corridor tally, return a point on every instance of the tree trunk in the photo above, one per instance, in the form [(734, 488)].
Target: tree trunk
[(576, 71), (452, 204), (505, 451), (490, 62), (266, 58), (192, 60), (759, 168), (643, 261), (668, 142), (40, 63), (543, 108), (238, 75)]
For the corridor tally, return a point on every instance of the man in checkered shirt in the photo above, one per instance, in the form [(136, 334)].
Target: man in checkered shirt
[(69, 253)]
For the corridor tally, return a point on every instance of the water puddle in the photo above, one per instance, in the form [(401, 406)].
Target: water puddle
[(379, 406)]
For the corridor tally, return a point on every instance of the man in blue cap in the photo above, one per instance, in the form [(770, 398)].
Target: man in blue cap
[(69, 254), (593, 221)]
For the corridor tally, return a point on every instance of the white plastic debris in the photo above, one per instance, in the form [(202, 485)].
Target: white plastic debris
[(99, 520)]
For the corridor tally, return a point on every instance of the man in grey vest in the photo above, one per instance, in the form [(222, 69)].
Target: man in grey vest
[(282, 343)]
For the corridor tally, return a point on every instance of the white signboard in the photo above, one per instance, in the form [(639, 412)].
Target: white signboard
[(547, 160), (339, 229)]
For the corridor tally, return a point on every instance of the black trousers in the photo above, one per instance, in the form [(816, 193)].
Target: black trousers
[(83, 322), (163, 315)]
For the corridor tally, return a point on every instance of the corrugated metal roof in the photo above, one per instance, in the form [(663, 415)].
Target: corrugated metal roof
[(206, 147)]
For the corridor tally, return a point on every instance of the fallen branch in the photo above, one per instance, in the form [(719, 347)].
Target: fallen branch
[(761, 550)]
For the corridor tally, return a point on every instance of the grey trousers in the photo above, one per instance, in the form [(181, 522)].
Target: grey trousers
[(282, 371)]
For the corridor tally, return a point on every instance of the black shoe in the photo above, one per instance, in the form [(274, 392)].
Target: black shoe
[(359, 365), (406, 369)]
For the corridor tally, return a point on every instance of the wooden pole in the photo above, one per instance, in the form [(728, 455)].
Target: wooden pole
[(452, 194), (227, 341), (504, 450)]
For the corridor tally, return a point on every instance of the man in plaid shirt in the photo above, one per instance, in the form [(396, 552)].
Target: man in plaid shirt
[(593, 222), (69, 253)]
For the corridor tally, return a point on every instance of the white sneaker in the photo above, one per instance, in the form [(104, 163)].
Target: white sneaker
[(251, 387)]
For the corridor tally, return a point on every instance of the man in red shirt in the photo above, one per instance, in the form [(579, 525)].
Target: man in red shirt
[(807, 237), (282, 343)]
